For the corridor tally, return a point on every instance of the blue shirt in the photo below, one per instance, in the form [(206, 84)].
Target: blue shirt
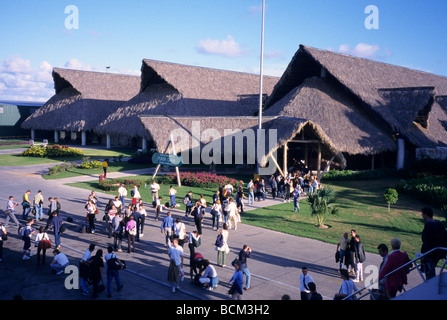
[(168, 222), (296, 194), (238, 278)]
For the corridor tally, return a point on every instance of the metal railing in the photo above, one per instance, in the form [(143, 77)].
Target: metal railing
[(407, 265)]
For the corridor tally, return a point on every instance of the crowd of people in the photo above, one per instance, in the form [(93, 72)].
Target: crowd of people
[(123, 221)]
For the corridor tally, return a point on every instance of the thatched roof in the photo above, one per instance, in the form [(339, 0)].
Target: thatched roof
[(181, 90), (82, 100), (392, 94), (197, 133), (348, 129)]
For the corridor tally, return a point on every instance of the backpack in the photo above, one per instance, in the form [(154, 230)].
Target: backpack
[(132, 193), (219, 241), (185, 200), (21, 230), (113, 263)]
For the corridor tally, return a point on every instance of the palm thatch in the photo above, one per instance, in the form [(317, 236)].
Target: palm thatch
[(350, 131), (384, 91), (181, 90), (82, 100), (236, 136)]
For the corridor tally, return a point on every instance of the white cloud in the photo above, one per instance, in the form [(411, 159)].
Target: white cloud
[(362, 50), (21, 82), (226, 48)]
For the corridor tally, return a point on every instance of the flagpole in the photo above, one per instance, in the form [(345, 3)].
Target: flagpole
[(260, 85), (261, 65)]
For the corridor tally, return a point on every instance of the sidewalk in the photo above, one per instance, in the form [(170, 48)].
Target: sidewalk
[(275, 265)]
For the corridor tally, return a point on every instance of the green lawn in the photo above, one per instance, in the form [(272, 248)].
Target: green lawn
[(16, 159), (361, 208)]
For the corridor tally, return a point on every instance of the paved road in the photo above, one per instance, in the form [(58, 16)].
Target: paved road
[(275, 265)]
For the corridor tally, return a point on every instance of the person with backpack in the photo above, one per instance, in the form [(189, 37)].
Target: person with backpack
[(112, 271), (26, 232), (222, 245), (187, 201)]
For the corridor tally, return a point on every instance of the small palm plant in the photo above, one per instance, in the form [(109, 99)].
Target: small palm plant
[(323, 203)]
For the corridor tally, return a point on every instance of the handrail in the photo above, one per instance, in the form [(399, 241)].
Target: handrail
[(402, 266)]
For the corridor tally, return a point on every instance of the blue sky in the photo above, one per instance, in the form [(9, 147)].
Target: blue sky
[(226, 35)]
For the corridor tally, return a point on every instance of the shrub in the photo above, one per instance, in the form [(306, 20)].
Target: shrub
[(55, 151), (90, 164), (191, 179), (431, 190), (334, 174), (61, 167)]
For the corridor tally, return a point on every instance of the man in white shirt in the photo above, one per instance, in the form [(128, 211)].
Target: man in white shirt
[(305, 278), (154, 189), (59, 263), (209, 276), (10, 212), (122, 193)]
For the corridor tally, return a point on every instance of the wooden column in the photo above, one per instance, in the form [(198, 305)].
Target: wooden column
[(319, 160)]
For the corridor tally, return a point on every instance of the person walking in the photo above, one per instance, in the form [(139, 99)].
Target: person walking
[(38, 205), (179, 231), (296, 199), (360, 257), (3, 237), (194, 240), (305, 279), (105, 165), (112, 271), (347, 287), (84, 269), (244, 254), (172, 194), (26, 232), (222, 245), (56, 225), (196, 212), (216, 214), (96, 268), (135, 194), (131, 230), (232, 214), (10, 212), (91, 214), (175, 269), (396, 258), (187, 201), (117, 227), (433, 235), (155, 187), (236, 282), (26, 205), (274, 186), (122, 194), (42, 243), (166, 228), (251, 194)]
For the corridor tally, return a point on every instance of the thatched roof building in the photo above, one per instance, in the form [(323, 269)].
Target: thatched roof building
[(82, 100), (181, 90), (401, 99)]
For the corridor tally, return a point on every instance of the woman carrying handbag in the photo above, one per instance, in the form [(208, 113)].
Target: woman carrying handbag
[(42, 243)]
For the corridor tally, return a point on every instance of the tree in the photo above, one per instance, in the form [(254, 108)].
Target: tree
[(323, 203), (390, 196)]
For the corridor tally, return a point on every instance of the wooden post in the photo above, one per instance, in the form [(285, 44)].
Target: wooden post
[(177, 171), (159, 165), (319, 160)]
